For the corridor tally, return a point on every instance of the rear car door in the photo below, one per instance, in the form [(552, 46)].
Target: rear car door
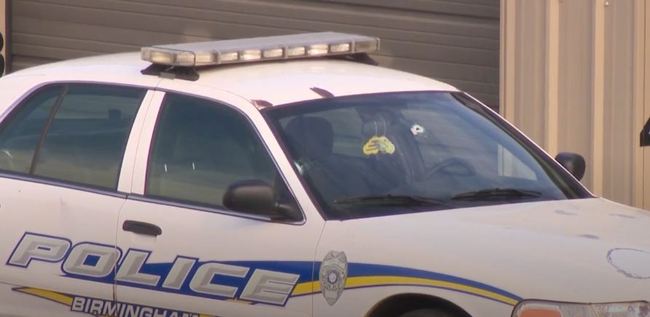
[(61, 152), (185, 252)]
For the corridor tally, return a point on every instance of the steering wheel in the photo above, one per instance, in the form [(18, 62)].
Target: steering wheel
[(454, 166)]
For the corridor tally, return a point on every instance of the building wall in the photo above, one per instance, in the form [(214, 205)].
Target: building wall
[(573, 76), (453, 40)]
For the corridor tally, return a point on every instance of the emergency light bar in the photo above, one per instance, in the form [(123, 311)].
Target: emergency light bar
[(259, 49)]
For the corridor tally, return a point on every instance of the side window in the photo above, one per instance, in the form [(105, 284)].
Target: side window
[(21, 133), (75, 133), (200, 148)]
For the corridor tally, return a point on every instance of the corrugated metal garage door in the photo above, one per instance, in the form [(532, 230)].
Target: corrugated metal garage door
[(453, 40)]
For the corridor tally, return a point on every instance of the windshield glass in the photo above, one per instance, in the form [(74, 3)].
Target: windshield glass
[(381, 154)]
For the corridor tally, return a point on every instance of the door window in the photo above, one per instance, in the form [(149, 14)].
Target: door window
[(200, 148)]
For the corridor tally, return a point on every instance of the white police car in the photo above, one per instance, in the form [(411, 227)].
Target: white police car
[(284, 176)]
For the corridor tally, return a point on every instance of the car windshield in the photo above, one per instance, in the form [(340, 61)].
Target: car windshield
[(392, 153)]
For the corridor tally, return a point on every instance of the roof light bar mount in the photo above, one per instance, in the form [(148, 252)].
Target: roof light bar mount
[(171, 72), (174, 57), (363, 58)]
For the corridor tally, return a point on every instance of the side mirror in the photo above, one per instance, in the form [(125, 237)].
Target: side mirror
[(645, 134), (572, 162), (2, 58), (258, 198)]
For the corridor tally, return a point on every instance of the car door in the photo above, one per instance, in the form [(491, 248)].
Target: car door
[(61, 150), (184, 251)]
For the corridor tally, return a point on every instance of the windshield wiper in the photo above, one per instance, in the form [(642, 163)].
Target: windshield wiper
[(497, 193), (409, 200)]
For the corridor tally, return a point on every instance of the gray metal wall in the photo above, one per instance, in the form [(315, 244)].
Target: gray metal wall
[(453, 40)]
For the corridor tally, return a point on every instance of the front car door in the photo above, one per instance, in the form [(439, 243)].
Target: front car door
[(61, 150), (185, 252)]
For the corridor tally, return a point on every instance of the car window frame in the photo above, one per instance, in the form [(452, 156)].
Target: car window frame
[(144, 197), (14, 109)]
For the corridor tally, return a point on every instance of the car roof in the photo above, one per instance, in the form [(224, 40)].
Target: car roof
[(277, 82)]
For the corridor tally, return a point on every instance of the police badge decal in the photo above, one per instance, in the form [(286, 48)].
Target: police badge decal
[(333, 273)]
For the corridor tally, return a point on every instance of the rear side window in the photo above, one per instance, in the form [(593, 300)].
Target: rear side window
[(74, 133), (20, 135)]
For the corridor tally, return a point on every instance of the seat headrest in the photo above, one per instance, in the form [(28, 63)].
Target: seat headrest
[(310, 137), (375, 125)]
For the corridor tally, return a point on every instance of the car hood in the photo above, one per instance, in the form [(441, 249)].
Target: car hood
[(587, 250)]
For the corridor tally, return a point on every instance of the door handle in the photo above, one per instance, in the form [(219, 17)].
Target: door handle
[(140, 227), (645, 134)]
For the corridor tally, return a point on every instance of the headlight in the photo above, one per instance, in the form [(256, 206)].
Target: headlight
[(537, 308)]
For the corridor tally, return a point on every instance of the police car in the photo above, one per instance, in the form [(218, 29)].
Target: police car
[(289, 176)]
